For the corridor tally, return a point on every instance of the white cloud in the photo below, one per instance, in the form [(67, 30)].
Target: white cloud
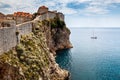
[(68, 11), (82, 1), (95, 10), (94, 6), (19, 5), (117, 1)]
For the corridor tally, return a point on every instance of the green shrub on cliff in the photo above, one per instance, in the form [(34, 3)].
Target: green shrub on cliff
[(45, 22), (30, 56), (54, 23), (61, 24), (57, 23), (19, 49)]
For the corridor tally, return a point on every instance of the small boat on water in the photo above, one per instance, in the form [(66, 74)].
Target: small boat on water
[(93, 37)]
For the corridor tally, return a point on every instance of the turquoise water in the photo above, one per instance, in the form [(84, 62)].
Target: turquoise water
[(91, 59)]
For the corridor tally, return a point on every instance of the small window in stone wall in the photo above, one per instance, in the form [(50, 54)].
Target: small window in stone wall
[(3, 24)]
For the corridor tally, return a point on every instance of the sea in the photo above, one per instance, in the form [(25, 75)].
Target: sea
[(92, 59)]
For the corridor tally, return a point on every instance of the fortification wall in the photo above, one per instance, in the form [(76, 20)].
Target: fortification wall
[(50, 15), (42, 17), (24, 28), (8, 37), (7, 23), (47, 15)]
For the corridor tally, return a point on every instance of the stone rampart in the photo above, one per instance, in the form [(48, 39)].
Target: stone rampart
[(9, 38)]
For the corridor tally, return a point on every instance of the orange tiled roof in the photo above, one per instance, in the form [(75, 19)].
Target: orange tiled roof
[(22, 14)]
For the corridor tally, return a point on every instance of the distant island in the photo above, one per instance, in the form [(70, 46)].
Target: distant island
[(28, 45)]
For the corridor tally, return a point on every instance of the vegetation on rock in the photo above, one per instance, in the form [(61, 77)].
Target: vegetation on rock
[(31, 58), (54, 23)]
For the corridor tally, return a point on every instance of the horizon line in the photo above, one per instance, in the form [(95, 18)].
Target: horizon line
[(94, 27)]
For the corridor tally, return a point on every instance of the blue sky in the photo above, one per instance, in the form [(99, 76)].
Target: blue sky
[(78, 13)]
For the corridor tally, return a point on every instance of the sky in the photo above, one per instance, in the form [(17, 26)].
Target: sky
[(78, 13)]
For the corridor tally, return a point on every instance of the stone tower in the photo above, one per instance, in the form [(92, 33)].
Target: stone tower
[(42, 9)]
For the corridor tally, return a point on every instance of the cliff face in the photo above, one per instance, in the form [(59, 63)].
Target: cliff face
[(32, 58), (58, 38), (56, 33)]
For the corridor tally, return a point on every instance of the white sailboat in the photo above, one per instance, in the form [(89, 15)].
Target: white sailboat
[(94, 37)]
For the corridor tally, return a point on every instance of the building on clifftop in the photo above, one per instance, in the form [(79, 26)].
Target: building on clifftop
[(21, 17), (44, 13)]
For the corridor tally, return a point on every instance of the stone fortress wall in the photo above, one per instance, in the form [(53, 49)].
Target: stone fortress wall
[(8, 36), (44, 13), (50, 15)]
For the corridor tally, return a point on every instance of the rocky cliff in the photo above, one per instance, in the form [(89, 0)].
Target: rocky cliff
[(56, 33), (32, 58)]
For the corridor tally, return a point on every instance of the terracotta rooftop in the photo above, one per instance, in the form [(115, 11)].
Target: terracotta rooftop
[(22, 14)]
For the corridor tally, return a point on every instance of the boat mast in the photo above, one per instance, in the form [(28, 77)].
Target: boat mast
[(93, 32)]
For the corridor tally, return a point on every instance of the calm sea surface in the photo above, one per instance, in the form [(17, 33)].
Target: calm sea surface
[(92, 59)]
